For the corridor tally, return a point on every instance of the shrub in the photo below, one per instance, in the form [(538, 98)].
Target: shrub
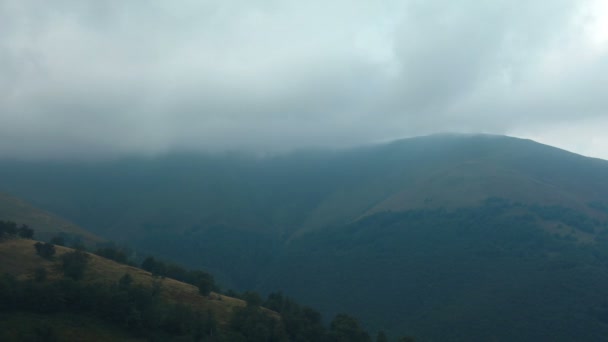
[(74, 264), (45, 250)]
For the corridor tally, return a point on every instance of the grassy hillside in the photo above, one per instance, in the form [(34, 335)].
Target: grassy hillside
[(42, 298), (47, 225), (20, 259)]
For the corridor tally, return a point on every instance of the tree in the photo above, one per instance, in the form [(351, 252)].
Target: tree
[(45, 250), (252, 298), (301, 323), (125, 281), (205, 285), (252, 324), (58, 240), (112, 254), (153, 266), (74, 264), (7, 228), (78, 245), (26, 232)]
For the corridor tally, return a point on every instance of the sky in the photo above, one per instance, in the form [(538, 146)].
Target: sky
[(92, 79)]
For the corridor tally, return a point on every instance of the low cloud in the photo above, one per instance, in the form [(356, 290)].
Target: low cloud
[(97, 79)]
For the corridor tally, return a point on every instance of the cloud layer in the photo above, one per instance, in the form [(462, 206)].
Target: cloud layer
[(88, 78)]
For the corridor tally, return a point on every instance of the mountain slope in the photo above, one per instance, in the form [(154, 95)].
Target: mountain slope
[(301, 191), (422, 235), (457, 171), (47, 225), (497, 271), (55, 293), (68, 319), (209, 201), (19, 259)]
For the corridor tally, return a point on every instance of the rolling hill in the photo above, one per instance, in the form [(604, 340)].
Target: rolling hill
[(20, 260), (449, 237)]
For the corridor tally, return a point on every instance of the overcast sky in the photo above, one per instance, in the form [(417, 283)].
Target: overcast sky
[(103, 78)]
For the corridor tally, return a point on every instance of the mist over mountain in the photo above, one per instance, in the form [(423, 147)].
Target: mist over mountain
[(85, 80), (445, 237), (298, 147)]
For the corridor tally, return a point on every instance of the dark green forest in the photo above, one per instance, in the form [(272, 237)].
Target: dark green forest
[(435, 271)]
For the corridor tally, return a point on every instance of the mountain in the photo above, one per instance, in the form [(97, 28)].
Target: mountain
[(47, 225), (303, 190), (447, 237)]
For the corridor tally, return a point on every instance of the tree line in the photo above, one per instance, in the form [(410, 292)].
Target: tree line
[(141, 311), (10, 229)]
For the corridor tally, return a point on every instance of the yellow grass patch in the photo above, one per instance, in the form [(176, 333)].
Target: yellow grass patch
[(18, 257)]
